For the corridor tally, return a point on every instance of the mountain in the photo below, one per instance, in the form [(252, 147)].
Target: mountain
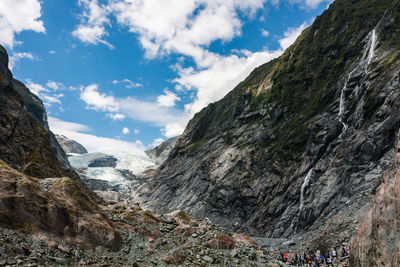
[(70, 146), (160, 153), (299, 148), (27, 144)]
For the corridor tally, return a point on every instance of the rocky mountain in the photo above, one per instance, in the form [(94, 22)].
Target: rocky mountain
[(160, 153), (299, 148), (27, 144), (70, 146)]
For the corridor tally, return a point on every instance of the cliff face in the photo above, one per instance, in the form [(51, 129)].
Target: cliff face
[(303, 142), (27, 144), (160, 153), (377, 242), (70, 146)]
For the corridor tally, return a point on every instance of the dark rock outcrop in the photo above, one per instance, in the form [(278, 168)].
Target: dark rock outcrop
[(26, 143), (160, 153), (106, 161), (304, 139), (70, 146)]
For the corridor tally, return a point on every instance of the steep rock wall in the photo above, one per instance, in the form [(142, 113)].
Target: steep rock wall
[(303, 139), (27, 144)]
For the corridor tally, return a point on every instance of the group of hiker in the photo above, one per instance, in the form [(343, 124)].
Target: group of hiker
[(311, 259)]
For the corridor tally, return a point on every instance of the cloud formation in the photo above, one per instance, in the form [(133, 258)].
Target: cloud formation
[(133, 108), (128, 83), (92, 143), (18, 16), (93, 22), (16, 57), (47, 94), (186, 28), (168, 99)]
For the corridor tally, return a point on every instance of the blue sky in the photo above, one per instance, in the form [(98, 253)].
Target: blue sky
[(130, 73)]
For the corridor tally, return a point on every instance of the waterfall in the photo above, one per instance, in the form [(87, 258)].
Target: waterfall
[(371, 51), (341, 105), (302, 191), (369, 54)]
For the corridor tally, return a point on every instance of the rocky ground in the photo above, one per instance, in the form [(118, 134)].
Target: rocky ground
[(147, 240)]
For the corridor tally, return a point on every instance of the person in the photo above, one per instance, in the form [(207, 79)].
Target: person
[(285, 257), (348, 250), (334, 255), (282, 258), (329, 261), (302, 260)]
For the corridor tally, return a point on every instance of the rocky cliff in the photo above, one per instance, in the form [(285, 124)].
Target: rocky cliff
[(32, 199), (160, 153), (27, 144), (301, 145), (377, 240), (70, 146)]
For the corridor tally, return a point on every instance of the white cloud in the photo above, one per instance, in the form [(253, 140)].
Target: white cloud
[(182, 26), (128, 83), (77, 132), (135, 109), (168, 99), (93, 22), (311, 3), (125, 130), (52, 52), (16, 57), (136, 131), (116, 116), (55, 85), (264, 33), (48, 99), (157, 142), (17, 16), (166, 26), (48, 96), (187, 28), (98, 101), (291, 35), (36, 88)]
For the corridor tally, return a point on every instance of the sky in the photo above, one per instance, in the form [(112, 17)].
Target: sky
[(129, 74)]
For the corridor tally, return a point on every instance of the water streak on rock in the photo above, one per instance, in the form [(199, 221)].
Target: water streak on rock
[(371, 51), (303, 188)]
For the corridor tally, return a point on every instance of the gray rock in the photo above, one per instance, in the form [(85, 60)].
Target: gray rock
[(160, 153), (69, 145), (246, 157), (106, 161)]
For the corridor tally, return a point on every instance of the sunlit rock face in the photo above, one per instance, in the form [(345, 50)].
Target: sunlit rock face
[(70, 146)]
